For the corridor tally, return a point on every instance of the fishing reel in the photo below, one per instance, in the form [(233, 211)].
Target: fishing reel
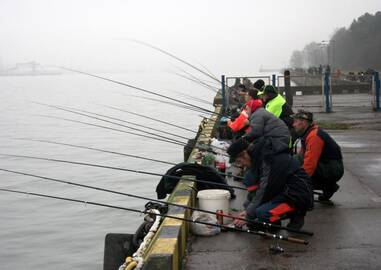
[(162, 208)]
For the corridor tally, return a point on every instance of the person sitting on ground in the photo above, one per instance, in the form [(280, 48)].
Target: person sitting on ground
[(320, 155), (276, 104), (283, 189)]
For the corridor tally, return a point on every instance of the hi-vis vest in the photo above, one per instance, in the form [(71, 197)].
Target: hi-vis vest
[(275, 105)]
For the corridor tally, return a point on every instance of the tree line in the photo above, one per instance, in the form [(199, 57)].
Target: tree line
[(355, 48)]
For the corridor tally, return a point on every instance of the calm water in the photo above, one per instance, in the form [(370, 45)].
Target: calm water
[(38, 233)]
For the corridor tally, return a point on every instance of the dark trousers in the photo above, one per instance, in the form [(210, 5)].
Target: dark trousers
[(327, 174), (271, 211)]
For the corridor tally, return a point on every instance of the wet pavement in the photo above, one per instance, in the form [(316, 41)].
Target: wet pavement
[(346, 235)]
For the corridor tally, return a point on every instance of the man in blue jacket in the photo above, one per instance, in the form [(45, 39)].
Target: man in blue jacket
[(283, 187)]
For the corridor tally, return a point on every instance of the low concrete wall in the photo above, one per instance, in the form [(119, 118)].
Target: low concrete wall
[(167, 249), (336, 89)]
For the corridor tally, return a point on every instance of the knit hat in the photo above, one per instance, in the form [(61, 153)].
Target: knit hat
[(259, 84), (268, 90), (237, 148)]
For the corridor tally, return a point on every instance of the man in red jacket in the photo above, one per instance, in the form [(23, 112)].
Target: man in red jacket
[(320, 155)]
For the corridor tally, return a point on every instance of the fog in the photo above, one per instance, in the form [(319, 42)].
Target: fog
[(230, 37)]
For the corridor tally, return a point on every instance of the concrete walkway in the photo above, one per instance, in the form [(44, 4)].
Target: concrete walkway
[(347, 235)]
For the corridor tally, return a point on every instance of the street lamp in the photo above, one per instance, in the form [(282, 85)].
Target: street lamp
[(330, 43)]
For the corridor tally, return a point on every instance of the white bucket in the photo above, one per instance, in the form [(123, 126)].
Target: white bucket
[(213, 200)]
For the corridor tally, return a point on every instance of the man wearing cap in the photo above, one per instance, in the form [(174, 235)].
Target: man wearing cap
[(276, 104), (320, 155), (283, 187)]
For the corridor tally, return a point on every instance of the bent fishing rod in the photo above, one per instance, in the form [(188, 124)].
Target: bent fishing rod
[(175, 57), (195, 81), (124, 169), (49, 179), (198, 79), (115, 153), (137, 88), (261, 233), (178, 59), (86, 113)]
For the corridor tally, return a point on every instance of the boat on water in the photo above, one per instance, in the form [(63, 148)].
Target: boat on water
[(29, 69)]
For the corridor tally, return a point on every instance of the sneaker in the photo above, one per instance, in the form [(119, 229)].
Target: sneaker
[(296, 222)]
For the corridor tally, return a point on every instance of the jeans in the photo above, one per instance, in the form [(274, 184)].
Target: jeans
[(271, 211)]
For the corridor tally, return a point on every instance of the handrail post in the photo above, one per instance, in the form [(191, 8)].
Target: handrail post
[(376, 91), (223, 94), (327, 92)]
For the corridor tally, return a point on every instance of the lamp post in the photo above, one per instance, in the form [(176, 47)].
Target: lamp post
[(331, 43)]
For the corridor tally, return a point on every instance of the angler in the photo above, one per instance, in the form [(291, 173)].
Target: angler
[(282, 188)]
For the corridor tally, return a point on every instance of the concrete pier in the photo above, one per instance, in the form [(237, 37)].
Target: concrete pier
[(347, 235)]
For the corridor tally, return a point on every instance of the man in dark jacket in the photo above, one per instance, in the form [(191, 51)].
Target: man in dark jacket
[(320, 155), (283, 187)]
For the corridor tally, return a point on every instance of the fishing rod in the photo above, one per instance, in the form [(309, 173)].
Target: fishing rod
[(137, 88), (115, 153), (195, 81), (128, 122), (168, 102), (97, 149), (150, 118), (175, 57), (269, 225), (166, 139), (207, 70), (179, 59), (261, 233), (193, 98), (198, 79), (124, 169), (114, 129), (204, 147), (111, 122)]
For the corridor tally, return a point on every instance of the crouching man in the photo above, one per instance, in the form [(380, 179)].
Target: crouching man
[(319, 155), (284, 190)]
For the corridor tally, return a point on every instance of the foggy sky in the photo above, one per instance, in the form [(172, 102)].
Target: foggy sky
[(230, 37)]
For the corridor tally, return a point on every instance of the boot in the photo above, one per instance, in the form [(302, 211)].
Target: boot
[(296, 221), (328, 193)]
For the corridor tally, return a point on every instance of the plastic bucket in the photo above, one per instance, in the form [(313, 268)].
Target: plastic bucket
[(213, 200)]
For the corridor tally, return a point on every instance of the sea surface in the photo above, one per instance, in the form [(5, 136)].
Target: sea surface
[(42, 233)]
